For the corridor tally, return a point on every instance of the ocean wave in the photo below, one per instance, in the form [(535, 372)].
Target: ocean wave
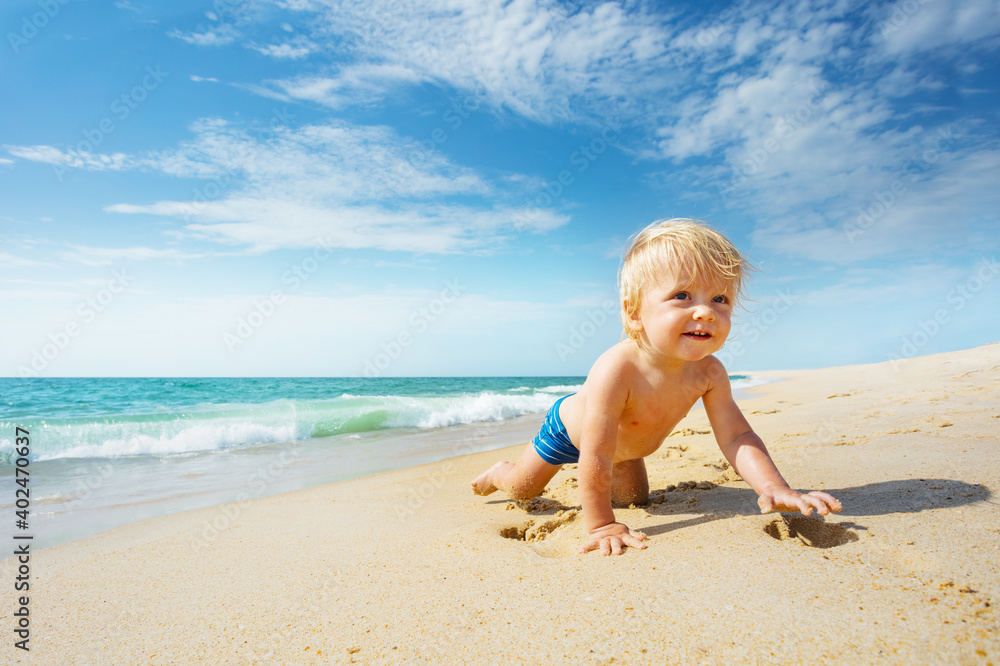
[(749, 381), (228, 426)]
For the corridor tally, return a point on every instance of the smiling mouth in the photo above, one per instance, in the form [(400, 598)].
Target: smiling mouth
[(698, 335)]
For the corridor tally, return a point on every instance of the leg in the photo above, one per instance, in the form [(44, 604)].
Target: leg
[(629, 483), (520, 481)]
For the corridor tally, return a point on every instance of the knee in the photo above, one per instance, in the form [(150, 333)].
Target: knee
[(623, 497), (630, 484), (521, 494)]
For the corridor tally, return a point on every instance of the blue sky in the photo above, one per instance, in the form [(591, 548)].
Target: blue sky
[(313, 187)]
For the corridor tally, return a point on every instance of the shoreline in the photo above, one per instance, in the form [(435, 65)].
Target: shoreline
[(409, 564), (75, 498), (102, 502)]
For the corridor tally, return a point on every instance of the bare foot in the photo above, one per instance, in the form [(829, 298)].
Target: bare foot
[(483, 484)]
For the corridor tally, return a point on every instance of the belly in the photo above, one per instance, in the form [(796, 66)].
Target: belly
[(632, 444)]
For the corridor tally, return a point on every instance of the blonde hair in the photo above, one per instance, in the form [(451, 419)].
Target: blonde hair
[(691, 249)]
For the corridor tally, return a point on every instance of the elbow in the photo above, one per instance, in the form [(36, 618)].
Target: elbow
[(741, 443)]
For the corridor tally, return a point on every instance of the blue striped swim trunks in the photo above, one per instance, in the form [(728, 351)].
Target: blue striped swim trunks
[(552, 443)]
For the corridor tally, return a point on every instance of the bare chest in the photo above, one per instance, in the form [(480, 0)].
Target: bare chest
[(646, 423)]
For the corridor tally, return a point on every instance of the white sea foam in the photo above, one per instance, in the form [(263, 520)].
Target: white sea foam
[(236, 426), (91, 442), (749, 381)]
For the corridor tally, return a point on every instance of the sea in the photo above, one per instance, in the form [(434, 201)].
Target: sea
[(103, 452)]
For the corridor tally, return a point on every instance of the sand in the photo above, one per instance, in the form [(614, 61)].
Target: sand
[(411, 567)]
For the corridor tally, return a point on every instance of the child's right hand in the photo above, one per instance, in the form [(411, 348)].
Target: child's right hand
[(786, 499), (611, 538)]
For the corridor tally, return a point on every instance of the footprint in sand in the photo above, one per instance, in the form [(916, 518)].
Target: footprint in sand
[(809, 531), (535, 532), (538, 505)]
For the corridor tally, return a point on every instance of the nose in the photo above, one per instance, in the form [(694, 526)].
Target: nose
[(704, 313)]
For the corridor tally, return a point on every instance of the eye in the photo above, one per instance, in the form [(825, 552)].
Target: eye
[(681, 296), (720, 299)]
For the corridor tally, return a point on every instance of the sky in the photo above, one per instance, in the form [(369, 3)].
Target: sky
[(389, 188)]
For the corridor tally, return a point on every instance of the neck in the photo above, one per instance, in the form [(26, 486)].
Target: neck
[(665, 364)]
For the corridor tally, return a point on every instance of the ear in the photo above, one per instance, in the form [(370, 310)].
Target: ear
[(632, 319)]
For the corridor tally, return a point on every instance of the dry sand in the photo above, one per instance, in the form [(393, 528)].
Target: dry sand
[(411, 567)]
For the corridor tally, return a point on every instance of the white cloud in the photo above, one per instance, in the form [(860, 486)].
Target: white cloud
[(351, 85), (105, 256), (913, 26), (797, 113), (286, 51), (752, 88), (538, 58), (267, 224), (221, 35), (334, 184), (8, 259), (806, 151), (76, 160)]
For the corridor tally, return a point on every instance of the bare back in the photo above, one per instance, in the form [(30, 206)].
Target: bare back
[(656, 400)]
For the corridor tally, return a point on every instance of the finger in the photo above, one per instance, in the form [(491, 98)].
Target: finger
[(605, 547), (766, 503), (832, 502), (638, 535), (587, 547), (804, 506), (821, 505), (616, 546), (816, 500), (633, 542)]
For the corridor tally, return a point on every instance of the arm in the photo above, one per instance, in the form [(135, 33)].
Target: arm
[(749, 457), (598, 439)]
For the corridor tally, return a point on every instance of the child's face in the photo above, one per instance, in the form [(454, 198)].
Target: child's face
[(683, 322)]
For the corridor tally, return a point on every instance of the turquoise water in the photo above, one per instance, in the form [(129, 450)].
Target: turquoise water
[(106, 451), (107, 418)]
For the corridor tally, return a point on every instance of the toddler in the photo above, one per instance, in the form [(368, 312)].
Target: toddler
[(679, 282)]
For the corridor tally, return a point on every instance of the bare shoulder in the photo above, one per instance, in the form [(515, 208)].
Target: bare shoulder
[(713, 375), (613, 371)]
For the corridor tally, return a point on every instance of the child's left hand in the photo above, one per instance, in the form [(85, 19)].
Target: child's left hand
[(786, 499)]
